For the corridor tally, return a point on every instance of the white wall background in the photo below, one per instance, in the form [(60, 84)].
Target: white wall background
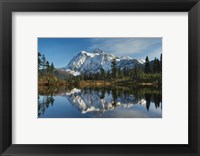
[(172, 128)]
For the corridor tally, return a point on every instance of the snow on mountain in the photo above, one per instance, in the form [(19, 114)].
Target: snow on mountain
[(75, 73), (73, 91), (97, 59), (141, 61), (91, 101)]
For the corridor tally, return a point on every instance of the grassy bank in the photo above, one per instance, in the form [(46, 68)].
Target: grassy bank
[(93, 83)]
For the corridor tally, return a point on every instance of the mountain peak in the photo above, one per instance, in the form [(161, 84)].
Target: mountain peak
[(98, 50), (92, 62), (87, 53)]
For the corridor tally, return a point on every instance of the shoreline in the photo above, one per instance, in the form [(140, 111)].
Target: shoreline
[(91, 83)]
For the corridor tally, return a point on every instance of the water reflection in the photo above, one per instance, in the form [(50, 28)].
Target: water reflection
[(116, 102)]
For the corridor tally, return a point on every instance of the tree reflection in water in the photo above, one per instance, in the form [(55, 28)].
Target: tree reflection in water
[(45, 99), (100, 99)]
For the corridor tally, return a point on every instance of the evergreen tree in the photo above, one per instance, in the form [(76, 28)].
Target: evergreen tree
[(102, 72), (97, 76), (52, 68), (119, 73), (39, 60), (108, 75), (90, 76), (125, 72), (161, 63), (135, 73), (114, 69), (158, 66), (155, 65), (147, 65), (47, 68), (43, 63)]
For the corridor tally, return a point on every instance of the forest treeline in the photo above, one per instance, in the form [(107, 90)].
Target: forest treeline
[(150, 73), (46, 71)]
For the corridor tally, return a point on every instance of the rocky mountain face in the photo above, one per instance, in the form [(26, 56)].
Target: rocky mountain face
[(85, 62)]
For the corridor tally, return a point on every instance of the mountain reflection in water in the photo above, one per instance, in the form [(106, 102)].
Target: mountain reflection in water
[(99, 103)]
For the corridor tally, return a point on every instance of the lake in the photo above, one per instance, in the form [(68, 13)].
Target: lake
[(99, 102)]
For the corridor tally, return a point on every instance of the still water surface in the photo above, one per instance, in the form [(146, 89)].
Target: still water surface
[(100, 103)]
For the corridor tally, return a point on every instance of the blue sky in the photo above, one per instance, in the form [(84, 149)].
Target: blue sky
[(61, 50)]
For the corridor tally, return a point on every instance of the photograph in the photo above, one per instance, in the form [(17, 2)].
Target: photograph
[(99, 77)]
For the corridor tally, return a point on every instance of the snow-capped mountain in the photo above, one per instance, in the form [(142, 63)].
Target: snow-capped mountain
[(96, 60)]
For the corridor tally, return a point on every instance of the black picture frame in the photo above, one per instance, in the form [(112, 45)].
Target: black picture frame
[(9, 6)]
